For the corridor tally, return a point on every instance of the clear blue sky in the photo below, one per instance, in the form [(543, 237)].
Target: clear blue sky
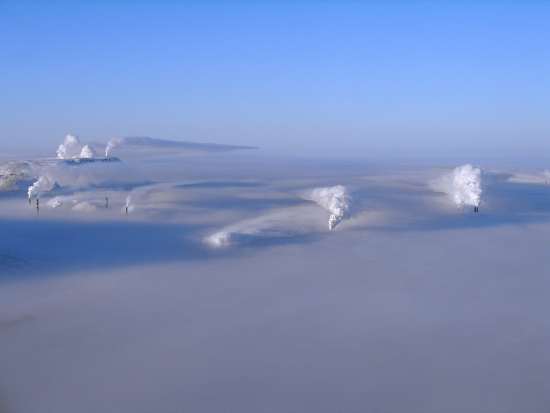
[(380, 79)]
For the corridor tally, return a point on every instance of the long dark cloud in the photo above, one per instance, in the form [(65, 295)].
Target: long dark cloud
[(169, 146)]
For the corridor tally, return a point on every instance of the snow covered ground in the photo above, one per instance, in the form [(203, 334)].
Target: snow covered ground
[(222, 289)]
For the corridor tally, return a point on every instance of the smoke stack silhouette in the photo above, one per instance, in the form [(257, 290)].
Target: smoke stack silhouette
[(128, 200)]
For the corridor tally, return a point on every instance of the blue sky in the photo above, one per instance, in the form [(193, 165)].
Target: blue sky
[(352, 79)]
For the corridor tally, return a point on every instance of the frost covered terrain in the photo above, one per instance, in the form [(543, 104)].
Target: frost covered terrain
[(222, 288)]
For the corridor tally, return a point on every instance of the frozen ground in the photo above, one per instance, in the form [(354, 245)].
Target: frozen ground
[(410, 305)]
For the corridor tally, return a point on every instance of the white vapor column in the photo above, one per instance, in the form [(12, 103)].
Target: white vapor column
[(73, 148), (88, 152), (337, 200), (463, 184), (44, 184), (70, 147)]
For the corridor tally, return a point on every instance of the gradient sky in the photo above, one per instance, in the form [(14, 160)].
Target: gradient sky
[(361, 79)]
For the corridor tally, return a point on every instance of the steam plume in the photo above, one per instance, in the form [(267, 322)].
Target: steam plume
[(55, 202), (79, 203), (88, 152), (44, 184), (463, 184), (70, 147), (275, 226), (149, 144), (73, 148), (337, 200), (128, 202), (219, 239), (249, 236), (140, 192), (74, 174)]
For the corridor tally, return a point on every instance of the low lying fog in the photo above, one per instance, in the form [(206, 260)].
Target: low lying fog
[(222, 288)]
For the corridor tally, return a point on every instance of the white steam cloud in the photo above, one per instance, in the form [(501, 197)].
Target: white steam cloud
[(73, 148), (55, 202), (337, 200), (75, 174), (74, 204), (70, 147), (463, 184), (44, 184), (285, 223), (141, 192), (249, 236), (272, 227), (88, 152), (168, 146), (219, 239)]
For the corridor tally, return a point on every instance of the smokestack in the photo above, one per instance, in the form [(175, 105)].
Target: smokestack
[(106, 202), (126, 210), (37, 205), (29, 201)]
